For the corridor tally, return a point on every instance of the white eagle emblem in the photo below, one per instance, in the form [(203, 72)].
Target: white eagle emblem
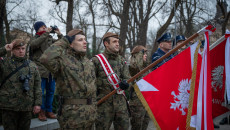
[(217, 77), (182, 100)]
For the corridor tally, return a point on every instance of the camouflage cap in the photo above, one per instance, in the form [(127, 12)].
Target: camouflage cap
[(138, 48), (18, 42), (110, 34), (75, 32)]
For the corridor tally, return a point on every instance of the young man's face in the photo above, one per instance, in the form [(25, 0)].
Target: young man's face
[(19, 51), (79, 44), (166, 45), (42, 28), (113, 44)]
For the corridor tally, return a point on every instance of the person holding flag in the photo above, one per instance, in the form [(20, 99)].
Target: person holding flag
[(111, 74)]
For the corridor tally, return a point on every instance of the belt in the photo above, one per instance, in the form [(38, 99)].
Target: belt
[(77, 101)]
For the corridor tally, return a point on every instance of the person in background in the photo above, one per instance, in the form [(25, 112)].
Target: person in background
[(38, 44), (139, 116)]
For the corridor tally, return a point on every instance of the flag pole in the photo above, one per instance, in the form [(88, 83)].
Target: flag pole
[(217, 42), (155, 63)]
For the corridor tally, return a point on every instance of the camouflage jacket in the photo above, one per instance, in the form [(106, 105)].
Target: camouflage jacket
[(75, 79), (119, 67), (74, 73), (158, 54), (136, 65), (12, 96), (38, 44)]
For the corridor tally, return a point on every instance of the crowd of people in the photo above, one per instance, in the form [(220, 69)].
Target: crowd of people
[(28, 83)]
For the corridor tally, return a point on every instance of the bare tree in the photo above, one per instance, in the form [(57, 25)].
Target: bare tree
[(120, 9), (224, 18), (143, 11), (165, 26), (69, 18)]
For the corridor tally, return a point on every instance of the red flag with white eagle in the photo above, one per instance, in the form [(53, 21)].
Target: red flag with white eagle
[(217, 54), (165, 91)]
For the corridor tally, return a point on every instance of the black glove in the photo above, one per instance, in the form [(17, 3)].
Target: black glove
[(123, 85)]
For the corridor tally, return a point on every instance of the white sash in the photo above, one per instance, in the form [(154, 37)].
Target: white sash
[(112, 77)]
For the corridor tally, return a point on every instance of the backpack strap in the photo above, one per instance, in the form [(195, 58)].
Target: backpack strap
[(26, 63)]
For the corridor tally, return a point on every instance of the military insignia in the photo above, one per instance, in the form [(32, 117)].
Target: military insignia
[(217, 78), (181, 101)]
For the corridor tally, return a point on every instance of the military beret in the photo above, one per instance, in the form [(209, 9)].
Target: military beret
[(180, 38), (138, 48), (110, 34), (18, 42), (165, 37), (75, 32)]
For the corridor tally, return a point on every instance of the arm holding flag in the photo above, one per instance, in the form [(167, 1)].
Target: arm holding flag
[(155, 63)]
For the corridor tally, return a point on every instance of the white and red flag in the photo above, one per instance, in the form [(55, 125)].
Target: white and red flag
[(217, 54), (165, 91), (202, 108)]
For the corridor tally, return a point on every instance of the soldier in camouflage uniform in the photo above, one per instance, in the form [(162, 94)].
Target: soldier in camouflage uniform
[(38, 45), (139, 116), (165, 45), (20, 94), (75, 80), (113, 109)]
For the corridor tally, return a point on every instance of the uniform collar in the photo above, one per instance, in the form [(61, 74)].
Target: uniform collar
[(160, 51), (110, 54), (78, 55), (19, 59)]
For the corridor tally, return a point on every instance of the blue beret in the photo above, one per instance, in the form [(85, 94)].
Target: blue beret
[(180, 38), (165, 37)]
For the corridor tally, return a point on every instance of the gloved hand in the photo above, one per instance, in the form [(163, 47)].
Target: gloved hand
[(123, 85)]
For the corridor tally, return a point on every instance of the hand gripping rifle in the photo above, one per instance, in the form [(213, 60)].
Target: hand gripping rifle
[(210, 27)]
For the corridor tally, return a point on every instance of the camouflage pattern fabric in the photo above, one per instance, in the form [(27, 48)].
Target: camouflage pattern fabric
[(16, 120), (139, 116), (75, 79), (38, 44), (113, 109), (12, 96), (2, 51)]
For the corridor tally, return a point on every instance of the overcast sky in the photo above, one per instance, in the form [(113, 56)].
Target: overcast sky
[(43, 7)]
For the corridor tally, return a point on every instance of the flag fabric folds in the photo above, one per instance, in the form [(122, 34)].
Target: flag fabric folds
[(202, 118), (165, 91), (218, 77), (227, 64)]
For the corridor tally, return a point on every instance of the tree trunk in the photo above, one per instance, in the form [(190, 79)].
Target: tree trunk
[(124, 25), (69, 19), (7, 25), (164, 27), (142, 34), (2, 36)]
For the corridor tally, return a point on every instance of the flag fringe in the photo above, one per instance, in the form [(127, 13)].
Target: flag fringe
[(192, 89), (145, 104)]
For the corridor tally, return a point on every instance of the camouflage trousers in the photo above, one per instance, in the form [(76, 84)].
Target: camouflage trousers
[(139, 117), (77, 117), (112, 111), (82, 128), (16, 120)]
